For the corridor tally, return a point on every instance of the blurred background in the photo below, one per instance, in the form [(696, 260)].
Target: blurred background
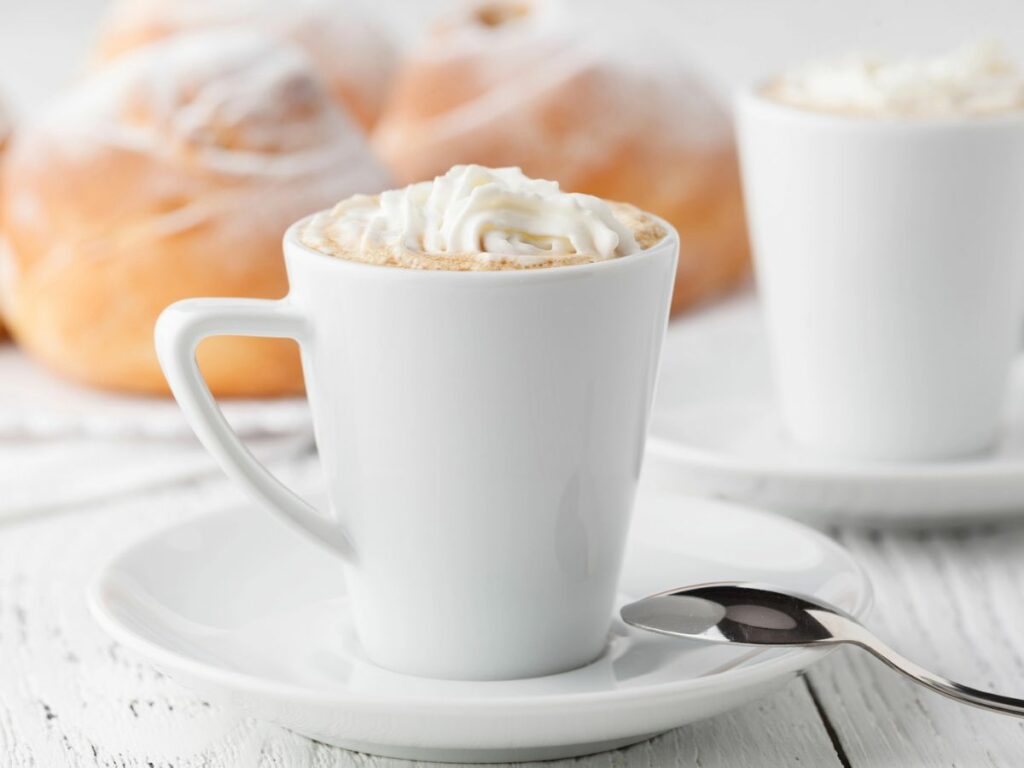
[(156, 154), (43, 43)]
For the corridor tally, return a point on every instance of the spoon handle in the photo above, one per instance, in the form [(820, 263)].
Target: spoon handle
[(850, 631)]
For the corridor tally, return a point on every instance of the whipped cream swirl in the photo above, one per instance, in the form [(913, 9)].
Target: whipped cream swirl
[(975, 79), (481, 214)]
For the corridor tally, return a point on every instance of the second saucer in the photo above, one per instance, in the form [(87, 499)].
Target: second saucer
[(716, 430)]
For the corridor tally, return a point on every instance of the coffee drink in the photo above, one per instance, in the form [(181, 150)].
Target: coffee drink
[(974, 80), (884, 204), (476, 218), (482, 433)]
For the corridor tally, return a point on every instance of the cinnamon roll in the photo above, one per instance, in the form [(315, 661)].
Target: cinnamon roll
[(169, 174), (553, 87)]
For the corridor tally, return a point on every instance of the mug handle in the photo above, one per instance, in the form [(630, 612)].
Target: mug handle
[(179, 330)]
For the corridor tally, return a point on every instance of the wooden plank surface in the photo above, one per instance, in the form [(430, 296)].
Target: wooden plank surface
[(953, 602), (70, 696)]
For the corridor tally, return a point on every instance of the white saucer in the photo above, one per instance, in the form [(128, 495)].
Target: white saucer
[(244, 612), (716, 431)]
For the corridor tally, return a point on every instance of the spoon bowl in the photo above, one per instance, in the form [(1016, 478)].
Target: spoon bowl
[(745, 614), (754, 614)]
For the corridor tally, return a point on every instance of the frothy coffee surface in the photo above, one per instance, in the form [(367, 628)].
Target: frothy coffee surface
[(476, 218), (977, 79)]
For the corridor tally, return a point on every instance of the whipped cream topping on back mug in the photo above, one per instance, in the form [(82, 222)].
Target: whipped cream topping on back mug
[(474, 218), (975, 79)]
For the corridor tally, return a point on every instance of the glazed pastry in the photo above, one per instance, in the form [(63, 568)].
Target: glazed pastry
[(5, 129), (171, 173), (5, 135), (531, 84), (351, 55)]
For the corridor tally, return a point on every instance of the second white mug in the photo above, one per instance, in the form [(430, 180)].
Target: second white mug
[(890, 262)]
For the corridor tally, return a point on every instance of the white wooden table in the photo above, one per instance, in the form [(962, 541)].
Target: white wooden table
[(71, 696)]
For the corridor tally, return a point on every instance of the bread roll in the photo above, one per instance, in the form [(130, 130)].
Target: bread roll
[(5, 130), (172, 173), (5, 134), (351, 54), (558, 89)]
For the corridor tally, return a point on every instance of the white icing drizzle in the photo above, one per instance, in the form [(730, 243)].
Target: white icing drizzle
[(231, 129), (539, 56), (489, 214), (341, 40), (236, 102)]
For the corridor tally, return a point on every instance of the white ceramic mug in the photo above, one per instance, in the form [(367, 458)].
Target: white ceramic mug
[(481, 435), (890, 262)]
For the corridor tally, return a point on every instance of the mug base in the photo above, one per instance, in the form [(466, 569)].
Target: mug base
[(486, 670)]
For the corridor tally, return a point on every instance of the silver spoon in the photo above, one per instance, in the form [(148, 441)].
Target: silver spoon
[(751, 614)]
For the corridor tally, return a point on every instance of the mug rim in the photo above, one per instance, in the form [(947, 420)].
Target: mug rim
[(752, 97), (294, 245)]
